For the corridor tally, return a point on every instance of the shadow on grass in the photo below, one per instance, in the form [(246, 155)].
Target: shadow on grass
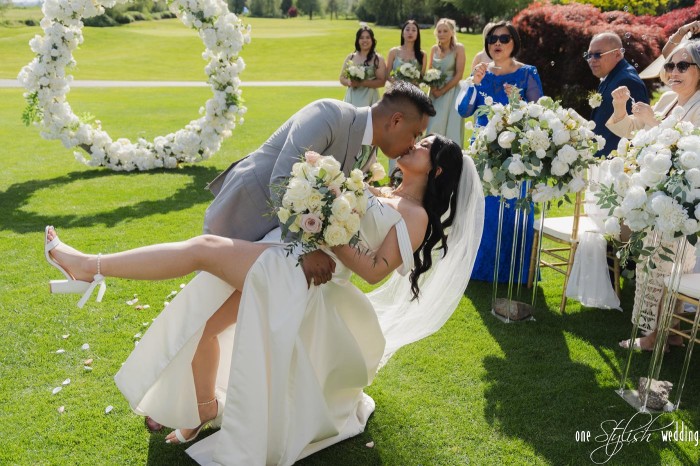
[(13, 218), (350, 452), (541, 395)]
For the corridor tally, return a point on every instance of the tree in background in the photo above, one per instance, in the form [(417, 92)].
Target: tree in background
[(309, 6), (490, 9), (285, 5), (4, 5), (332, 7), (236, 6)]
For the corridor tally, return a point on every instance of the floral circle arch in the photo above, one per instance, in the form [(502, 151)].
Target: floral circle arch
[(47, 85)]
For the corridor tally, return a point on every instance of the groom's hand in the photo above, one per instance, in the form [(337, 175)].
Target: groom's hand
[(317, 266)]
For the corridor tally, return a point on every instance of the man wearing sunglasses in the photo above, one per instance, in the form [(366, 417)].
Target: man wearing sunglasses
[(605, 57)]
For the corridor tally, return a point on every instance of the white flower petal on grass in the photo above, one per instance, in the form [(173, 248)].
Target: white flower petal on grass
[(60, 351), (182, 285), (138, 335), (172, 293), (146, 306), (87, 368), (165, 303), (131, 302), (56, 390), (369, 444), (66, 382), (109, 409), (88, 362), (85, 347), (65, 337), (61, 409)]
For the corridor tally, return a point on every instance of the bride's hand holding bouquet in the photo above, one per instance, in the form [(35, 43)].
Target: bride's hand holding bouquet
[(321, 207)]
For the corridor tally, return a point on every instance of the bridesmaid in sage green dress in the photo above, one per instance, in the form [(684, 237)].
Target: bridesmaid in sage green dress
[(364, 93), (408, 52), (448, 57)]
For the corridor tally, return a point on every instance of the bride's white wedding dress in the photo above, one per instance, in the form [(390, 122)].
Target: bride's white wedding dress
[(293, 368)]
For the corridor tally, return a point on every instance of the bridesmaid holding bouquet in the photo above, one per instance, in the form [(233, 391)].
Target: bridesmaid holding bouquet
[(364, 70), (447, 57)]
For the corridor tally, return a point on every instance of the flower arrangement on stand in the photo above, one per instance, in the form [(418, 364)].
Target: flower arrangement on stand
[(531, 152), (321, 207), (47, 85), (655, 191)]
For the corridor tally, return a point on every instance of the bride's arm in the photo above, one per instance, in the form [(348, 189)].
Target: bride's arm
[(373, 267)]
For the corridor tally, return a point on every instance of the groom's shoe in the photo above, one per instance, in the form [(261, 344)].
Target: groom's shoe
[(216, 422), (70, 284)]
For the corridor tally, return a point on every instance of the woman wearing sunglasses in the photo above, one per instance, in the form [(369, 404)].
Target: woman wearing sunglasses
[(681, 74), (498, 79)]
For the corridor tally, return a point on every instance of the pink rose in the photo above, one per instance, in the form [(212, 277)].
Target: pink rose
[(310, 223), (312, 157), (335, 190)]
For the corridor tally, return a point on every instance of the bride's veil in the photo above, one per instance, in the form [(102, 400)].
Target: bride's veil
[(404, 321)]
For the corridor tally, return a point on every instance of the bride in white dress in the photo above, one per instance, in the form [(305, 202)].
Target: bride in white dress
[(293, 360)]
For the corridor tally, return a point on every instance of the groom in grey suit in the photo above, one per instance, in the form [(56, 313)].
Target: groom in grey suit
[(241, 208)]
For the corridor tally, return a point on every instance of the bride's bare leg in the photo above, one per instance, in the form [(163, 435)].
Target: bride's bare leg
[(226, 258), (206, 358)]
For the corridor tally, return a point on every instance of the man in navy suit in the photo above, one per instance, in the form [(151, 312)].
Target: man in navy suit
[(605, 56)]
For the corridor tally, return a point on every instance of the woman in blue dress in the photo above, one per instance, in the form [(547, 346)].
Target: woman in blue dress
[(496, 80)]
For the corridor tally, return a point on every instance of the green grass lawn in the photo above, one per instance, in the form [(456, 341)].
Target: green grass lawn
[(478, 392)]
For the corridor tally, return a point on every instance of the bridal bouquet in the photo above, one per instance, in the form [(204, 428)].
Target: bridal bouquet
[(320, 205), (539, 142), (434, 78), (355, 72), (655, 185), (407, 72)]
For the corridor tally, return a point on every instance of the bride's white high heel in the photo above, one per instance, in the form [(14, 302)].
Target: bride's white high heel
[(215, 423), (70, 284)]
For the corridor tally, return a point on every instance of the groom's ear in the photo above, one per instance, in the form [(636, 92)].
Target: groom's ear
[(395, 119)]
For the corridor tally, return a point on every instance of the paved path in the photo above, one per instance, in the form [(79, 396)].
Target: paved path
[(14, 83)]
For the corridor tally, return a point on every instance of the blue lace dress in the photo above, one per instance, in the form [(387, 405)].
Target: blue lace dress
[(528, 81)]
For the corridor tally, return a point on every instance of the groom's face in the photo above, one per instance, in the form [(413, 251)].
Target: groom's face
[(401, 133)]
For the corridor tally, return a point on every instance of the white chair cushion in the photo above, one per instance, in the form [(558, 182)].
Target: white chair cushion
[(690, 284), (561, 227)]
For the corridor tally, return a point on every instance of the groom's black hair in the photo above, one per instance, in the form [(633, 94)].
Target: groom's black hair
[(402, 93)]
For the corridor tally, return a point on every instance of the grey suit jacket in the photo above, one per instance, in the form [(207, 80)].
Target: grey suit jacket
[(242, 206)]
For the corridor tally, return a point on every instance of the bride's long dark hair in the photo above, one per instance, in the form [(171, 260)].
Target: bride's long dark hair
[(440, 196)]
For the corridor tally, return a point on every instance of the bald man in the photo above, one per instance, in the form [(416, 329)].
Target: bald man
[(606, 58)]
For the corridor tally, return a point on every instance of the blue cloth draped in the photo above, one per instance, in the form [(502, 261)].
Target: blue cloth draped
[(527, 80)]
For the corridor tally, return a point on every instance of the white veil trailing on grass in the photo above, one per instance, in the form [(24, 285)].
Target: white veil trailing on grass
[(404, 321)]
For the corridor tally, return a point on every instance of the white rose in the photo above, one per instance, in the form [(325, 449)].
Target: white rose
[(693, 176), (668, 137), (505, 139), (377, 172), (567, 154), (697, 211), (560, 136), (341, 208), (490, 132), (617, 166), (283, 215), (612, 226), (661, 203), (516, 166), (690, 159), (559, 168), (488, 100), (314, 200), (352, 224), (488, 175), (534, 110), (689, 143), (690, 227), (515, 116), (541, 153), (659, 162), (651, 178), (635, 198), (510, 193), (542, 193), (336, 235)]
